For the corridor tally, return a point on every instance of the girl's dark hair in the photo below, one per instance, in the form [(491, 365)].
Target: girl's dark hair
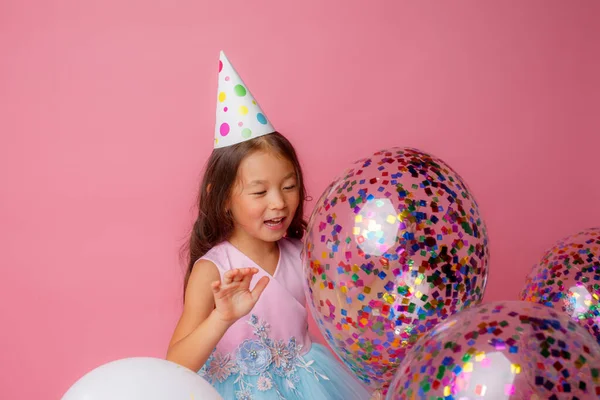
[(213, 224)]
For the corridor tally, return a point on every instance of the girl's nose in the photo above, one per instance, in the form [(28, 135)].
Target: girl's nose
[(277, 201)]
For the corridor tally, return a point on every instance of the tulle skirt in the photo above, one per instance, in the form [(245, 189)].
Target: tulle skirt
[(317, 376)]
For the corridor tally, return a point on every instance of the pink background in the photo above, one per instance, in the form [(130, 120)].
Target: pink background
[(107, 110)]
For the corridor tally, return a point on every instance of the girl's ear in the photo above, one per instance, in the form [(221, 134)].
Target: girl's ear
[(208, 186)]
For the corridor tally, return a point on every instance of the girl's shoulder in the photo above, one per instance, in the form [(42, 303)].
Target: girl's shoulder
[(218, 255)]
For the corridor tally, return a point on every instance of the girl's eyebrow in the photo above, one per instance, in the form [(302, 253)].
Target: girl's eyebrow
[(262, 182), (257, 182)]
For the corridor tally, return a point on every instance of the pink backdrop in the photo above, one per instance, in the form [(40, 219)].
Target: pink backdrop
[(106, 114)]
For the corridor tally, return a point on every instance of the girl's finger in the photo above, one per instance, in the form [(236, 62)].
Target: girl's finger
[(242, 272), (216, 286), (229, 276), (247, 279), (259, 288)]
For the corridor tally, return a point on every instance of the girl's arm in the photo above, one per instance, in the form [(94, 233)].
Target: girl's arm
[(210, 308)]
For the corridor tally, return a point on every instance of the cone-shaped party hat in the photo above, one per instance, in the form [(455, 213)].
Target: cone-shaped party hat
[(238, 115)]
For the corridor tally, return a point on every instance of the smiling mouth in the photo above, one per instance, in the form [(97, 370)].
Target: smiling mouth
[(274, 222)]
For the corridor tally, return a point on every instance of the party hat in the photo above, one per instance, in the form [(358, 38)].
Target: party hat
[(239, 117)]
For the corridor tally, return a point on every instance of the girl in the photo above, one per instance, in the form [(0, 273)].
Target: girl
[(244, 323)]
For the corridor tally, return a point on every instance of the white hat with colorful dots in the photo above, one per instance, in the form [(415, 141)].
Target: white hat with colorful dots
[(239, 117)]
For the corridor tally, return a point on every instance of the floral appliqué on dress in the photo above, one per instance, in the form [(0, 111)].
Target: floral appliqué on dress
[(262, 357)]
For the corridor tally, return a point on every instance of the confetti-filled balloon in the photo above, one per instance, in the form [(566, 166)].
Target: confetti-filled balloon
[(394, 246), (501, 351), (568, 278)]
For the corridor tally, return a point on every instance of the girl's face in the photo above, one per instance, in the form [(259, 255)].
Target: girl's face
[(265, 198)]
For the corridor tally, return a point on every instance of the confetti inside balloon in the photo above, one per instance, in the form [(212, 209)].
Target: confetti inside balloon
[(394, 246), (568, 278), (501, 351)]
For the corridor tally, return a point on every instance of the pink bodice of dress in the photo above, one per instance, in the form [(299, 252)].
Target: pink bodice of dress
[(280, 314)]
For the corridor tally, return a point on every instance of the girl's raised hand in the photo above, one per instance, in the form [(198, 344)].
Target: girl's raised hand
[(233, 297)]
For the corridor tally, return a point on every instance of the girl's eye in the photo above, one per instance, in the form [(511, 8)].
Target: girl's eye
[(260, 193), (289, 187)]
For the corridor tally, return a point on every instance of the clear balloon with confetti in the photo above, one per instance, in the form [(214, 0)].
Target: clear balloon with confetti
[(502, 351), (394, 246), (568, 278)]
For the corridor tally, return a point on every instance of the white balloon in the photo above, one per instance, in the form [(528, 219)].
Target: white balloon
[(143, 378)]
